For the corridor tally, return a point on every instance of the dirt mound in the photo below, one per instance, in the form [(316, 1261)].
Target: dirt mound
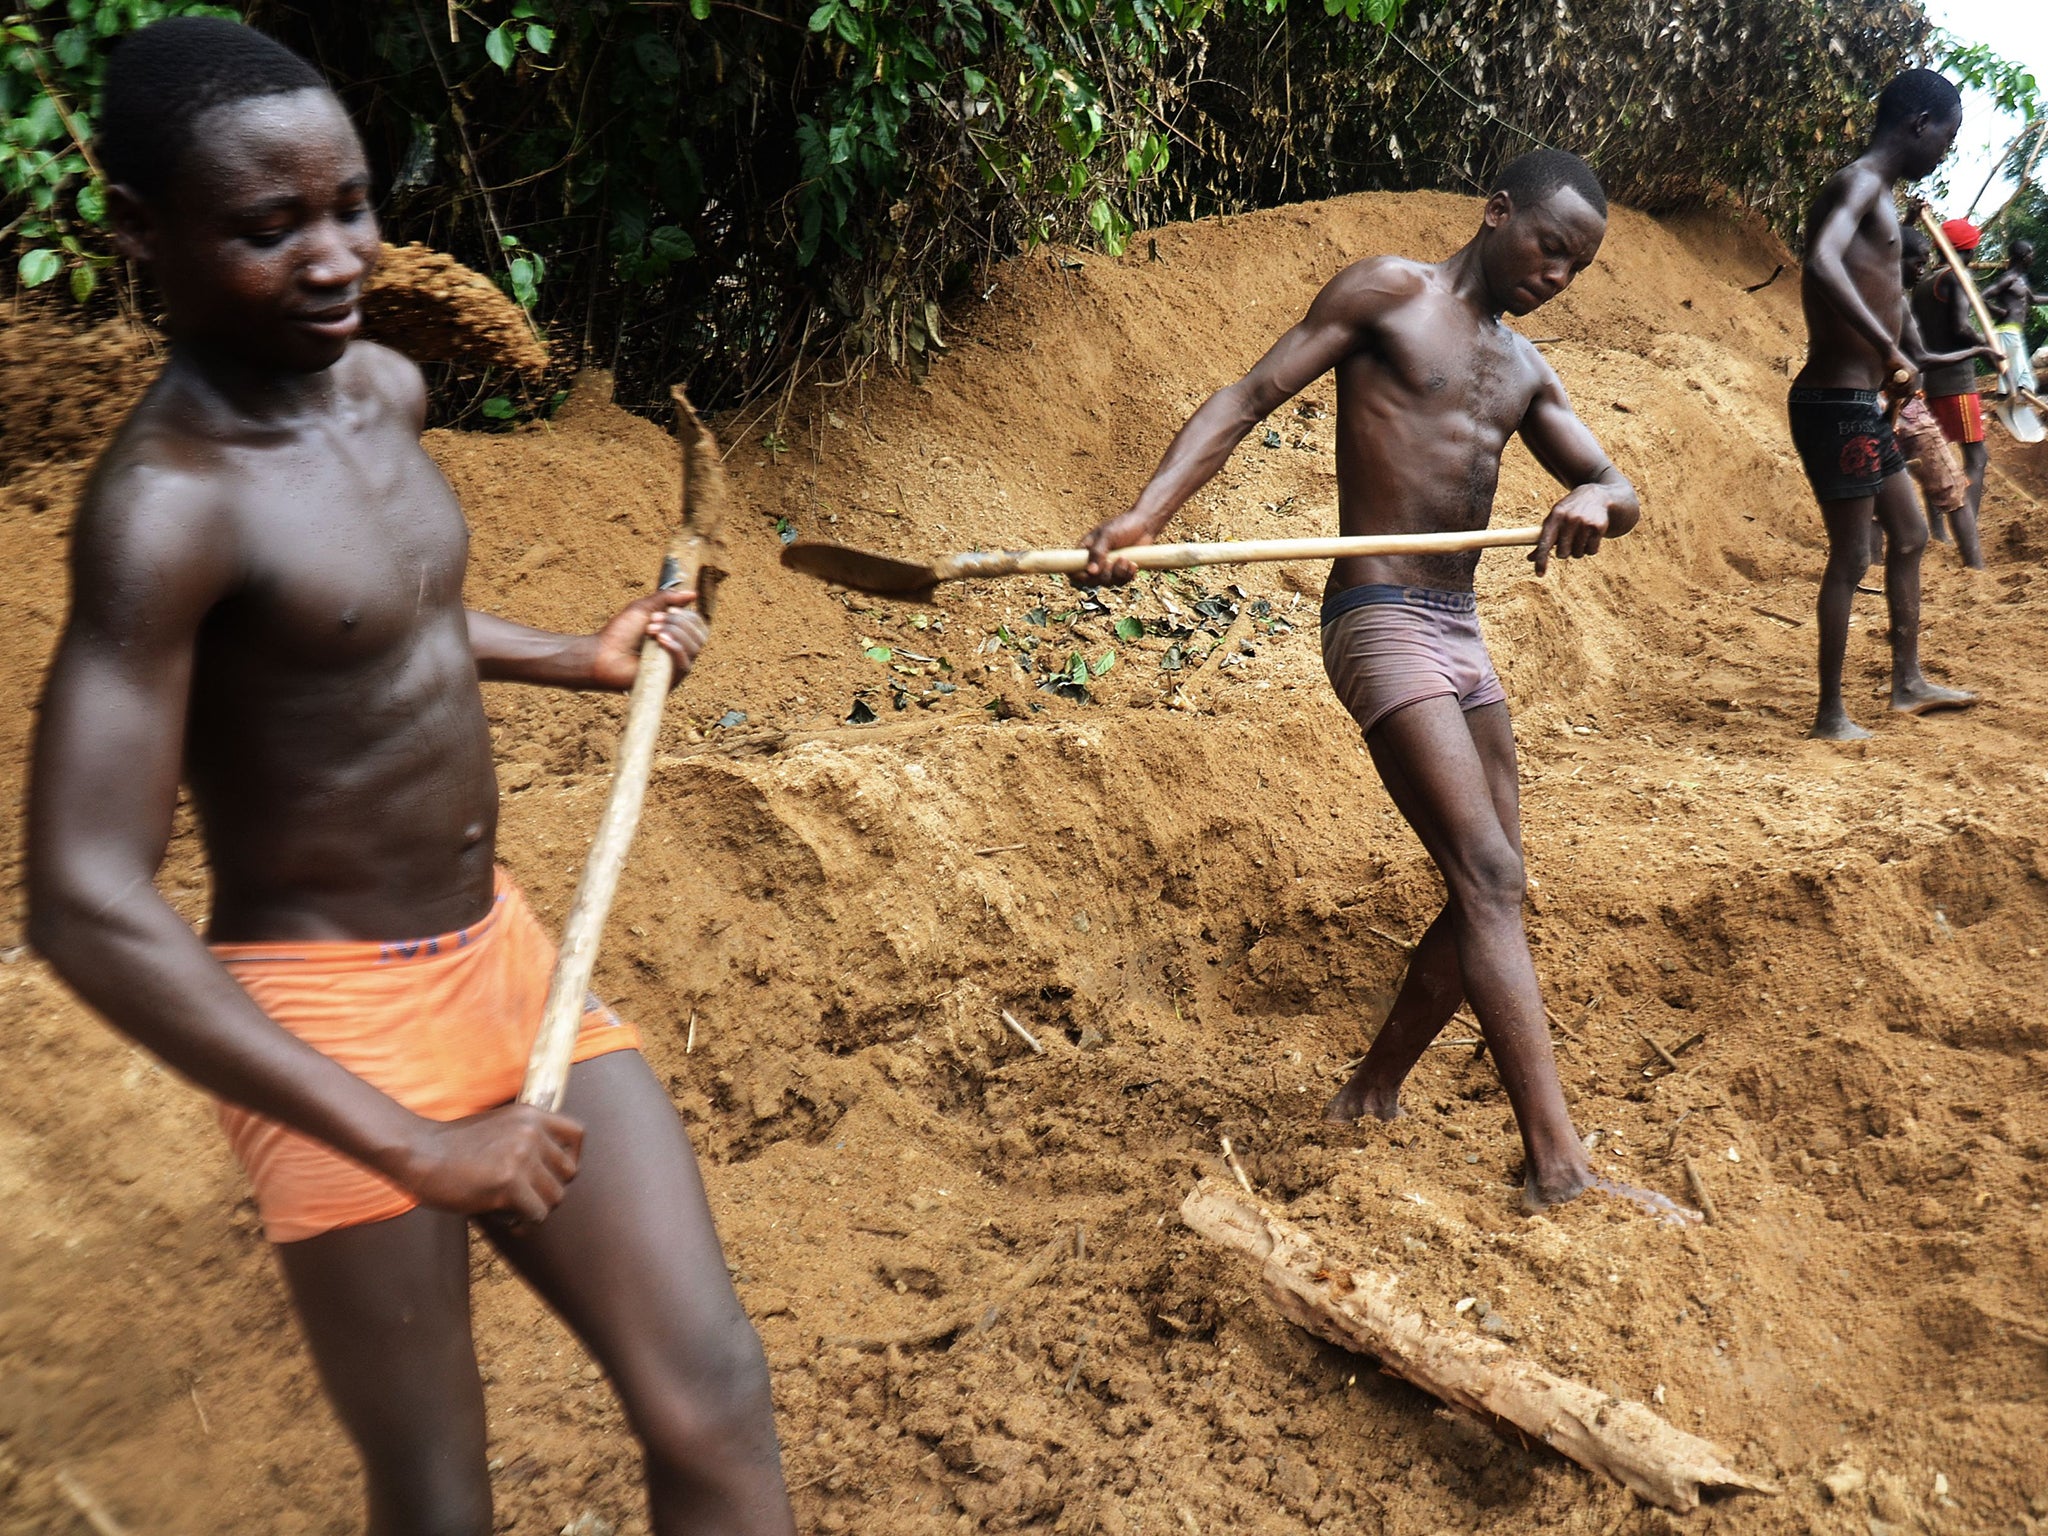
[(429, 305), (68, 389), (1201, 913)]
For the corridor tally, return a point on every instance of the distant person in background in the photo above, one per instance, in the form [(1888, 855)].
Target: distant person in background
[(2011, 294), (1855, 306), (2009, 297), (1942, 310), (1928, 454)]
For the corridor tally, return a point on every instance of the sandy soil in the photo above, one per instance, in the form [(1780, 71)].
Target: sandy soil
[(1200, 911)]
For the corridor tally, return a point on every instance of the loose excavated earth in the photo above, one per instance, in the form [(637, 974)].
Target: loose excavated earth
[(1172, 864)]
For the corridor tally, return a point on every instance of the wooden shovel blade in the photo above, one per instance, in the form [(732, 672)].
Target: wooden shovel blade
[(860, 569)]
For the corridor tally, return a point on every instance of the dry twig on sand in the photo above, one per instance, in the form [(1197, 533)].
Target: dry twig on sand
[(1021, 1032), (1657, 1045), (1236, 1168), (90, 1509), (1698, 1187), (1357, 1309)]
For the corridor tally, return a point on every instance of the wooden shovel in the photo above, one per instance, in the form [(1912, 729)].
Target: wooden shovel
[(691, 562), (1961, 273), (869, 572)]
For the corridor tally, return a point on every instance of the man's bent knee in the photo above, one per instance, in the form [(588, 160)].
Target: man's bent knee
[(712, 1410), (1493, 880), (1908, 542)]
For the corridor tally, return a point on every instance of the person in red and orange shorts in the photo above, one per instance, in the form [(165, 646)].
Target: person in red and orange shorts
[(1923, 439), (267, 606), (1942, 311)]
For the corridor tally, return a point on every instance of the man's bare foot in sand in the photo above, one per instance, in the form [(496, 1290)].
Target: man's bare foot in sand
[(1663, 1208), (1835, 725), (1360, 1098), (1917, 698)]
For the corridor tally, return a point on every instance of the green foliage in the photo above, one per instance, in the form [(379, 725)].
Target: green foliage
[(1974, 65), (51, 61), (709, 192)]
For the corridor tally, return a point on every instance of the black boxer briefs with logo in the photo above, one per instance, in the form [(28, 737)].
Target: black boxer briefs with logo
[(1844, 441)]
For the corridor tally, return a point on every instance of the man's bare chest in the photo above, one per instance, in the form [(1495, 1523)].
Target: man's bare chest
[(345, 560), (1453, 373)]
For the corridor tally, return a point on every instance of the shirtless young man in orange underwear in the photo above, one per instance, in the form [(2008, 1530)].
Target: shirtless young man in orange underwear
[(1430, 386), (267, 604)]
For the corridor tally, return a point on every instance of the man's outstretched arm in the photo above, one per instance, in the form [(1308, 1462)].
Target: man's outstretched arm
[(146, 570), (1337, 324), (512, 653), (1915, 347), (1600, 503)]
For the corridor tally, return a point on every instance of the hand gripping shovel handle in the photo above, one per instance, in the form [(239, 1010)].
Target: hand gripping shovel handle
[(688, 564)]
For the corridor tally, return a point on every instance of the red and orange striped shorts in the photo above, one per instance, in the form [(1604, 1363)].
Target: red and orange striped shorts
[(1961, 416)]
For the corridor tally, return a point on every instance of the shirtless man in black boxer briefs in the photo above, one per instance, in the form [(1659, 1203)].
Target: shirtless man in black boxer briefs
[(267, 606), (1854, 303), (1430, 386)]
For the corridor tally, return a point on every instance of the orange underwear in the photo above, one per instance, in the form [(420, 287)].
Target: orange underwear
[(442, 1025)]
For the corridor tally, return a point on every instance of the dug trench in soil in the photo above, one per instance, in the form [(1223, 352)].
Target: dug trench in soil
[(1198, 911)]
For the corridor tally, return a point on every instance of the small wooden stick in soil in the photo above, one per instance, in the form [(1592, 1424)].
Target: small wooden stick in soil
[(1654, 1044), (1698, 1187), (82, 1499), (1236, 1168), (1021, 1032)]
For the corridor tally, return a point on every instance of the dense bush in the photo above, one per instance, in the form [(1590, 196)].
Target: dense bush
[(711, 189)]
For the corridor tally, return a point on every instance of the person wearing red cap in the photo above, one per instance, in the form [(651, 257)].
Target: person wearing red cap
[(1942, 310), (1943, 488), (1855, 308)]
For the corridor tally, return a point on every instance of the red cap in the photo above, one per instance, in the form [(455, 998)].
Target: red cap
[(1962, 234)]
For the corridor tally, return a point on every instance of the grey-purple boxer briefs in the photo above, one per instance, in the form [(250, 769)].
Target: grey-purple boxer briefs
[(1385, 647)]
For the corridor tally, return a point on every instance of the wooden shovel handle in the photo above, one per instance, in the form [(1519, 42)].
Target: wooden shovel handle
[(1180, 557), (687, 566), (1961, 272)]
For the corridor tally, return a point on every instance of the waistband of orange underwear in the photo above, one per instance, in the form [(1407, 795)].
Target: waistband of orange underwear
[(369, 954)]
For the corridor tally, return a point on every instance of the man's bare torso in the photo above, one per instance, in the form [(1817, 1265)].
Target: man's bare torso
[(1423, 414), (1837, 356), (2010, 298), (336, 748)]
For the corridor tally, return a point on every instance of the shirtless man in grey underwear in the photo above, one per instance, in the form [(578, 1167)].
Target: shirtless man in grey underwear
[(1430, 386)]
